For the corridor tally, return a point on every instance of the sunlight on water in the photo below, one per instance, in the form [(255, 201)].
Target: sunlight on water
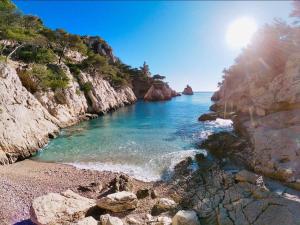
[(145, 140)]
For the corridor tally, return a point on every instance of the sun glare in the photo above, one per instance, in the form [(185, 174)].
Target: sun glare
[(240, 32)]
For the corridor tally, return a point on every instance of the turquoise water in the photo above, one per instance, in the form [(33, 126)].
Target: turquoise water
[(144, 140)]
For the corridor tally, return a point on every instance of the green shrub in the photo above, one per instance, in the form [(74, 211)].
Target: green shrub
[(37, 55), (27, 79), (74, 69), (86, 87)]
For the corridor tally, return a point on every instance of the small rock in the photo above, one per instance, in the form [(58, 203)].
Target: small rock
[(87, 221), (163, 220), (208, 117), (154, 194), (121, 183), (132, 221), (142, 193), (118, 202), (247, 176), (110, 220), (185, 217)]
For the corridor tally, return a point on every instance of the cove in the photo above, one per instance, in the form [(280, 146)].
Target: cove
[(144, 140)]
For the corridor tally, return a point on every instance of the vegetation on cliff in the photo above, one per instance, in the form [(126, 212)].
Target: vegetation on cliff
[(24, 38)]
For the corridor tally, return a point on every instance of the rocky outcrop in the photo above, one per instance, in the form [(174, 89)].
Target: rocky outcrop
[(159, 91), (25, 123), (61, 208), (29, 120), (103, 97), (268, 114), (185, 217), (188, 90)]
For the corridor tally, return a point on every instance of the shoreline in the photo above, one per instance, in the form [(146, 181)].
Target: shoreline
[(23, 181)]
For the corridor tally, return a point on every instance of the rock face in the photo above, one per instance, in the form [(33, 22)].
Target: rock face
[(159, 91), (268, 109), (25, 123), (188, 90), (118, 202), (29, 120), (56, 208)]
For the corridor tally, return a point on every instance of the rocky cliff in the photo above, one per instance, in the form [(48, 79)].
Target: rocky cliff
[(267, 109), (28, 120), (159, 91)]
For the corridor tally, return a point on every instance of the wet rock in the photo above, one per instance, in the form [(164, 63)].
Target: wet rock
[(110, 220), (208, 116), (55, 208), (188, 90), (142, 193), (87, 221), (118, 202), (185, 217), (121, 183)]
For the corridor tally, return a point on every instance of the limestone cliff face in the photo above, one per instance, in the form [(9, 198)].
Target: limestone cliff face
[(268, 109), (25, 123), (28, 120)]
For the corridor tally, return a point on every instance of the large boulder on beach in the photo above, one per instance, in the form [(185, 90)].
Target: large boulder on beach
[(63, 208), (163, 205), (185, 217), (188, 90), (118, 202)]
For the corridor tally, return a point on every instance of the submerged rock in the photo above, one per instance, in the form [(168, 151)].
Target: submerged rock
[(55, 208), (188, 90), (118, 202)]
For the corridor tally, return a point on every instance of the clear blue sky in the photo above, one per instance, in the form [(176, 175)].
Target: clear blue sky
[(185, 41)]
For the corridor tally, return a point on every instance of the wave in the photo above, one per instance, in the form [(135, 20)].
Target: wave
[(159, 168), (221, 123)]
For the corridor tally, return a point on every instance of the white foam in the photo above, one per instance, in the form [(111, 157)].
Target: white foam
[(221, 123), (151, 171)]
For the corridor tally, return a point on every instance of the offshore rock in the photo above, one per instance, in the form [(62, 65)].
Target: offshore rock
[(159, 91), (188, 90)]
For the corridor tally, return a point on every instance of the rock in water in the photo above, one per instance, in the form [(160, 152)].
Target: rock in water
[(185, 217), (55, 208), (110, 220), (118, 202), (188, 90)]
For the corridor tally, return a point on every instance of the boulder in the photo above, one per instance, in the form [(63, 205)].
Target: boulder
[(163, 205), (121, 183), (188, 90), (110, 220), (118, 202), (208, 117), (86, 221), (185, 217), (55, 208), (142, 193)]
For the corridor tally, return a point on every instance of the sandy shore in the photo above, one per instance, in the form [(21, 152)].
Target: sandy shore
[(21, 182)]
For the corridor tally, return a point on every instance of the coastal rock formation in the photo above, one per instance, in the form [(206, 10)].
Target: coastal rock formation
[(30, 119), (188, 90), (159, 91), (25, 123), (118, 202), (61, 208), (267, 105)]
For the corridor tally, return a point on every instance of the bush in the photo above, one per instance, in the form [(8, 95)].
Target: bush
[(86, 87), (28, 81), (74, 69), (37, 55)]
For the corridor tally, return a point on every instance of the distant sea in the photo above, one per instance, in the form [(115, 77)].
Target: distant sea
[(145, 140)]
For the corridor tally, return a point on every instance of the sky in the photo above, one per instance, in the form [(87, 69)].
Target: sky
[(182, 40)]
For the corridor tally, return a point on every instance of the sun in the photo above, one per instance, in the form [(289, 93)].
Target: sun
[(240, 32)]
